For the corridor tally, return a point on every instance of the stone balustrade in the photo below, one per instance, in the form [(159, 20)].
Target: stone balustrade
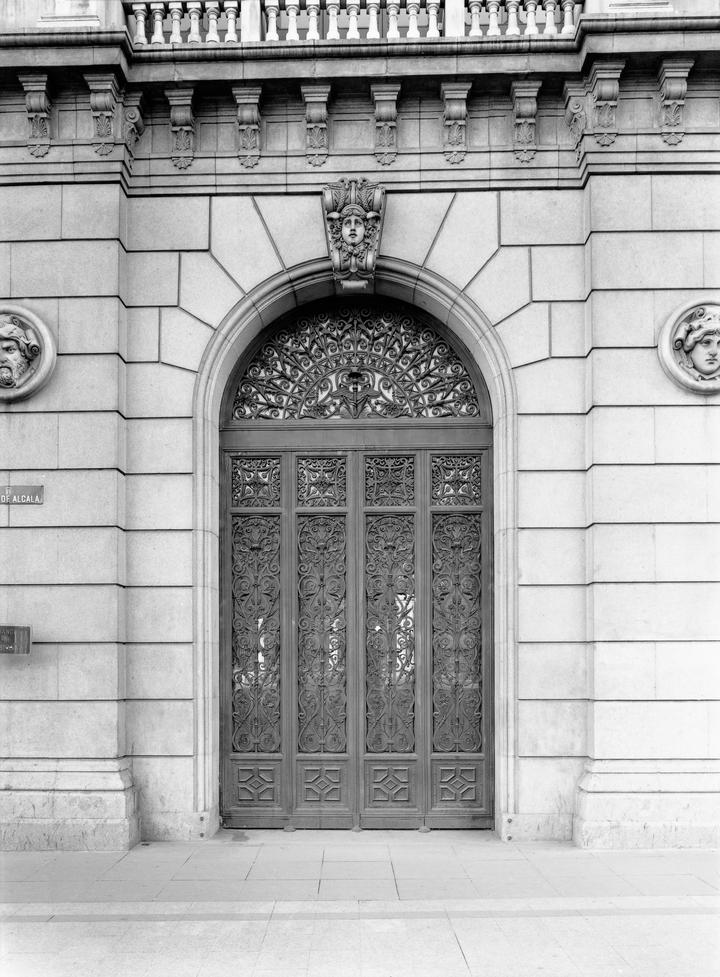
[(166, 22)]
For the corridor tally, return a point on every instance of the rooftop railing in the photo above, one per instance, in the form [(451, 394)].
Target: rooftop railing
[(179, 22)]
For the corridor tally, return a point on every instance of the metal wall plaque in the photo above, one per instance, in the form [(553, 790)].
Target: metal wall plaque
[(22, 495), (14, 640)]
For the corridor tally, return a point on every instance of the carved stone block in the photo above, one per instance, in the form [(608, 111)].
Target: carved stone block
[(248, 123), (673, 77), (524, 98), (37, 105), (689, 346), (316, 128), (103, 98), (454, 96), (385, 98), (354, 212), (27, 353), (182, 126)]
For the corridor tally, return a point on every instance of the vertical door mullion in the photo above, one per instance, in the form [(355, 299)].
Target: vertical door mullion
[(353, 664), (423, 637), (288, 636)]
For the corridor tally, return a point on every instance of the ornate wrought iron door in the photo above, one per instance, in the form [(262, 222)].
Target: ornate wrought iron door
[(356, 660)]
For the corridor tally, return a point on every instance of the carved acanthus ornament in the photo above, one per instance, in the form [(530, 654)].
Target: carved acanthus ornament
[(182, 126), (454, 96), (353, 211), (133, 121), (316, 128), (385, 97), (248, 122), (673, 77), (605, 88), (524, 99), (689, 347), (103, 98), (37, 105), (27, 353), (575, 115)]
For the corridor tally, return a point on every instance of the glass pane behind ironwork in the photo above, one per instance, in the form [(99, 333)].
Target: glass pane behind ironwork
[(457, 633), (256, 482), (456, 480), (389, 480), (321, 481), (322, 695), (256, 634), (390, 633)]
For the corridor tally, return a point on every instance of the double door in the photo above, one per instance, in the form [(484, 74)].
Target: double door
[(356, 665)]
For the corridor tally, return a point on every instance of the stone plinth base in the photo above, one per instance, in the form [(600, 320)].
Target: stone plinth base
[(80, 805), (648, 804), (534, 827), (179, 825)]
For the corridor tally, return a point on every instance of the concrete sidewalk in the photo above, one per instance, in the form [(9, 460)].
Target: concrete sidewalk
[(373, 904)]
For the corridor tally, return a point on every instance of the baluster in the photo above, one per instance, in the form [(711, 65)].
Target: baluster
[(353, 9), (213, 12), (231, 12), (333, 9), (475, 7), (175, 18), (550, 27), (393, 10), (494, 18), (433, 6), (531, 23), (292, 8), (313, 9), (413, 9), (194, 8), (373, 9), (513, 25), (271, 11), (157, 12), (140, 11), (568, 8)]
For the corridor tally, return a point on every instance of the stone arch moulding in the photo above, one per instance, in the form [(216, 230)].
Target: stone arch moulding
[(262, 306)]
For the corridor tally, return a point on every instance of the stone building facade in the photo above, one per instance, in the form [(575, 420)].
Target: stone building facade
[(550, 215)]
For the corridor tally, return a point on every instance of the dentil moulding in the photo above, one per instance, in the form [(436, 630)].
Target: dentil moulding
[(27, 353), (689, 346)]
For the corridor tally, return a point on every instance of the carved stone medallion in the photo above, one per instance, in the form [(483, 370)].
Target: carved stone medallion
[(689, 346), (27, 353)]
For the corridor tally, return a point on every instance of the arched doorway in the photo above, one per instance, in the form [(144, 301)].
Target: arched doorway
[(356, 575)]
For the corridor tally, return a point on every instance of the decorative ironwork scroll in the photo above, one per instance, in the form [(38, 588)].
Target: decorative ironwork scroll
[(256, 634), (321, 634), (256, 482), (390, 480), (357, 362), (457, 633), (456, 480), (321, 481), (390, 633)]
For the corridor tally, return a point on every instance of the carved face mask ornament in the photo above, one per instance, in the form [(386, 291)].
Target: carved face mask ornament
[(353, 211), (689, 347), (18, 349)]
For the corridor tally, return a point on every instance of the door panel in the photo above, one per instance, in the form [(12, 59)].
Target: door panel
[(356, 682)]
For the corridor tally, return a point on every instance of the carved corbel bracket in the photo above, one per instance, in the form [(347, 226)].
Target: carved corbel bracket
[(354, 210), (103, 99), (605, 87), (385, 98), (673, 77), (524, 98), (454, 96), (37, 105), (248, 123), (133, 121), (316, 128), (182, 126), (575, 114)]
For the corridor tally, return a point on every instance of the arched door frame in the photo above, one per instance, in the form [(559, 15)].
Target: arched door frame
[(260, 307)]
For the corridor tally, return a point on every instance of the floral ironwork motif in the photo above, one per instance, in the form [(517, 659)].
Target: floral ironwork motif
[(390, 480), (256, 482), (356, 363), (390, 633), (456, 480), (321, 481), (457, 633), (321, 634), (256, 634)]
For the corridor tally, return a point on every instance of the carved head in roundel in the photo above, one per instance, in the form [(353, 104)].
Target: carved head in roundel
[(19, 347), (697, 340), (27, 353)]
